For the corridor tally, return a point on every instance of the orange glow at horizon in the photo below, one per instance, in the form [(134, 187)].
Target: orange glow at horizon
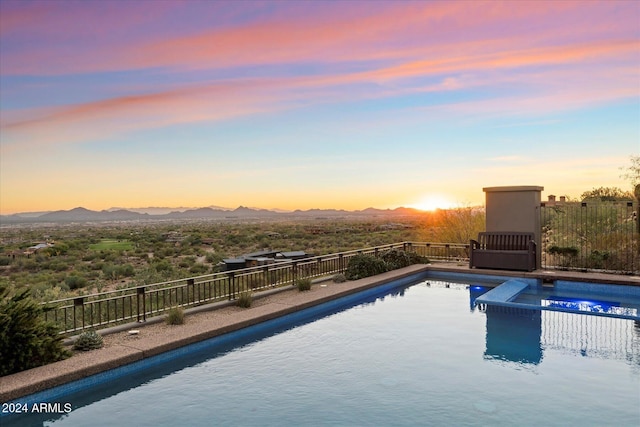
[(432, 202)]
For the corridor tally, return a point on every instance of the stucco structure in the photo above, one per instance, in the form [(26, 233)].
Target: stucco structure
[(515, 208)]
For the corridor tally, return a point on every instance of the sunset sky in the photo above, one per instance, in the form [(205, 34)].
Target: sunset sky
[(311, 104)]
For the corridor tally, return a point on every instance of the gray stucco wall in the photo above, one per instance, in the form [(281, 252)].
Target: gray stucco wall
[(515, 209)]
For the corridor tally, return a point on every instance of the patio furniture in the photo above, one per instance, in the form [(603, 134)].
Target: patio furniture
[(504, 250)]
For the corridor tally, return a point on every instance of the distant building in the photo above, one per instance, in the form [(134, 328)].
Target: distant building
[(35, 248), (552, 200), (262, 258)]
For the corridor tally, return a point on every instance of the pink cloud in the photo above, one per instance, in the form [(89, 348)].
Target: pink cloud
[(100, 119), (409, 45), (332, 33)]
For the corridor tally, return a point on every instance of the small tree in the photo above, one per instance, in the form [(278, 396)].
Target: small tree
[(458, 225), (361, 266), (606, 194), (26, 339), (632, 173)]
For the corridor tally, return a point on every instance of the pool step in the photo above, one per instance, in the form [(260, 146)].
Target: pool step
[(504, 293)]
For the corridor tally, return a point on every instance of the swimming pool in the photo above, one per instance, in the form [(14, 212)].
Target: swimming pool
[(418, 354)]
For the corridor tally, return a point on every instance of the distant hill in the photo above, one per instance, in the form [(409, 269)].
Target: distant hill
[(81, 214), (162, 210)]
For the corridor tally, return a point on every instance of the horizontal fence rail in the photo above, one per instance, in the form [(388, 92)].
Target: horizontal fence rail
[(106, 309), (591, 236), (581, 236)]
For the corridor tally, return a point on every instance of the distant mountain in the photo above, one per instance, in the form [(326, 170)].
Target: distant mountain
[(196, 213), (30, 214), (158, 210), (81, 214)]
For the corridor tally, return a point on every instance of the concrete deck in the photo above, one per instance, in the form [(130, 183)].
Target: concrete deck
[(216, 319)]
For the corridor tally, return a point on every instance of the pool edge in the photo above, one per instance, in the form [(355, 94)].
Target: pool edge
[(79, 366)]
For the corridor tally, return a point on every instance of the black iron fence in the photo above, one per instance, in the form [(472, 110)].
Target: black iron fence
[(591, 236), (138, 303), (580, 236)]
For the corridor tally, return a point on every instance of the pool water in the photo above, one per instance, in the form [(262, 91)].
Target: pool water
[(419, 355), (574, 300)]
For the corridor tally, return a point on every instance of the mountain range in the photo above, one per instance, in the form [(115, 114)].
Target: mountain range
[(81, 214)]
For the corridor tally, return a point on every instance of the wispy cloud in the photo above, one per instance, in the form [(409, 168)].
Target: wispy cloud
[(415, 73)]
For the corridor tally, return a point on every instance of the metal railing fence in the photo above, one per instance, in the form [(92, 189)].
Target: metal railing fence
[(105, 309), (591, 236), (580, 236)]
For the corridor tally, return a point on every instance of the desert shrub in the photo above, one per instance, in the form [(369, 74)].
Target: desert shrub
[(364, 266), (598, 259), (397, 259), (75, 282), (163, 266), (58, 266), (89, 340), (175, 316), (115, 272), (303, 284), (110, 271), (26, 340), (126, 270), (245, 300), (198, 269), (563, 250), (89, 256), (339, 278), (213, 258)]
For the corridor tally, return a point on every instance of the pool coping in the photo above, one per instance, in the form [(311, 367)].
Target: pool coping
[(219, 318), (222, 318)]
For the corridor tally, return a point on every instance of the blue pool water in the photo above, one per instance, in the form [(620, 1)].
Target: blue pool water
[(419, 354), (624, 305)]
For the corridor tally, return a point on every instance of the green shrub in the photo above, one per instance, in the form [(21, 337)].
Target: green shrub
[(198, 269), (163, 266), (126, 270), (563, 250), (303, 284), (398, 259), (89, 340), (598, 259), (361, 266), (175, 316), (75, 282), (245, 300), (26, 340), (339, 278)]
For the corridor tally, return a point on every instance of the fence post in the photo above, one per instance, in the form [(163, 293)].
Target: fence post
[(78, 302), (265, 271), (232, 285), (294, 271), (140, 294), (341, 263), (191, 288)]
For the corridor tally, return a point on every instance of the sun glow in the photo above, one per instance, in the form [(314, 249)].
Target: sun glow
[(432, 202)]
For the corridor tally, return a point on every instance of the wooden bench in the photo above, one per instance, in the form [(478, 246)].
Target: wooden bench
[(503, 250)]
